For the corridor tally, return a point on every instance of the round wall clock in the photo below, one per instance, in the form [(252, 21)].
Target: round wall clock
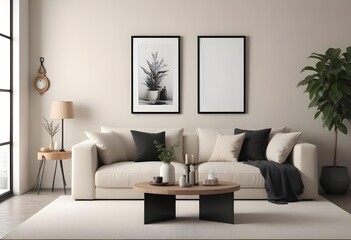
[(41, 83)]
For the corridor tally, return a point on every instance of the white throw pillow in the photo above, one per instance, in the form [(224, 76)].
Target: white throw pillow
[(207, 141), (274, 131), (109, 146), (280, 146), (227, 147)]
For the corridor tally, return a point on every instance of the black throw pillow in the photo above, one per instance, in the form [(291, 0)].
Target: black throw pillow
[(254, 145), (145, 146)]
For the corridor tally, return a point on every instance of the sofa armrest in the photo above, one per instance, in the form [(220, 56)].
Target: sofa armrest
[(304, 158), (84, 165)]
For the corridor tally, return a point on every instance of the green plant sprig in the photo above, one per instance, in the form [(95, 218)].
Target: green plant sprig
[(166, 155)]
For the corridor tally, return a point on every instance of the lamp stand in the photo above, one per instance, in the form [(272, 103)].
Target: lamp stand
[(62, 148)]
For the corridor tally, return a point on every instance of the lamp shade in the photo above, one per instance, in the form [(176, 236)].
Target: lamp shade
[(61, 110)]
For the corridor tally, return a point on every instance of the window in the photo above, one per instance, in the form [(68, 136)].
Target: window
[(5, 98)]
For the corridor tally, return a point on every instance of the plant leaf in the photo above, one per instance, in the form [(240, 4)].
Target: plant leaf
[(333, 53), (308, 68), (342, 128), (317, 114), (317, 56), (314, 102), (312, 88), (307, 80)]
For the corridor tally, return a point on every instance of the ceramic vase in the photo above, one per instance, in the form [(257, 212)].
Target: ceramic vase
[(182, 181), (152, 95), (167, 171)]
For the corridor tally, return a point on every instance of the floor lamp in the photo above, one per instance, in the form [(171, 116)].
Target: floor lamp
[(62, 110)]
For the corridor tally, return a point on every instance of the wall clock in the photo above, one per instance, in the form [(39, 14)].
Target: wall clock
[(41, 83)]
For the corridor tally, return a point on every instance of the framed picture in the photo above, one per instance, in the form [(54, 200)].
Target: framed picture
[(155, 74), (221, 74)]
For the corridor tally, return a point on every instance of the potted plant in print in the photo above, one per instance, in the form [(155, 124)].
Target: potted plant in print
[(329, 89), (154, 76)]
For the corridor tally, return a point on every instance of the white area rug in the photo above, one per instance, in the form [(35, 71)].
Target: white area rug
[(66, 218)]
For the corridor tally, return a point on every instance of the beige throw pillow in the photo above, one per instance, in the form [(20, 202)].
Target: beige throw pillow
[(280, 146), (207, 141), (109, 146), (274, 131), (227, 147)]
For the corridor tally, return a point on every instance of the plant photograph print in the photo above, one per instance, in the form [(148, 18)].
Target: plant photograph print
[(155, 74)]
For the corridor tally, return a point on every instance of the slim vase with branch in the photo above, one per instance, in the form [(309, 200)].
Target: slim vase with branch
[(51, 130)]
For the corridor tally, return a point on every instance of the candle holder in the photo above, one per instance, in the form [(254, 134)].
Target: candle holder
[(191, 171), (196, 173), (187, 173)]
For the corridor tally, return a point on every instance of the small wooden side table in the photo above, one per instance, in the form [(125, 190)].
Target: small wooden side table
[(54, 155)]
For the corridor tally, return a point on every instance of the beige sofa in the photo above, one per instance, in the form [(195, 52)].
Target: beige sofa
[(91, 181)]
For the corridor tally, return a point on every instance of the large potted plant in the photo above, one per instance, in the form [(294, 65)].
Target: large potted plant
[(154, 76), (329, 89)]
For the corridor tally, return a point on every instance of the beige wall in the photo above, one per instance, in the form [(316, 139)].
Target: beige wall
[(87, 50)]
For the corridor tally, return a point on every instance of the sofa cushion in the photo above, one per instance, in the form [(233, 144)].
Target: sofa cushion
[(109, 145), (274, 131), (207, 138), (207, 141), (126, 174), (245, 175), (281, 145), (227, 147), (145, 145), (255, 144), (173, 135)]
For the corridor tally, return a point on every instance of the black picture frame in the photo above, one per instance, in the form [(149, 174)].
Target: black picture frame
[(221, 74), (150, 56)]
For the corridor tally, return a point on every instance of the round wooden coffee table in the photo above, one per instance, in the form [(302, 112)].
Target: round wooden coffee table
[(216, 202)]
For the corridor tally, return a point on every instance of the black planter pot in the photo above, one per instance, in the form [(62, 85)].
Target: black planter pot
[(334, 180)]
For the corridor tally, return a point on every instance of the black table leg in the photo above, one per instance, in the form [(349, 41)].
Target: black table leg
[(218, 207), (63, 177), (159, 207), (53, 179), (41, 168), (38, 176)]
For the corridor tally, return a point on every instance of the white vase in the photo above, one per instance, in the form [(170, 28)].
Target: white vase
[(182, 181), (167, 171), (152, 95)]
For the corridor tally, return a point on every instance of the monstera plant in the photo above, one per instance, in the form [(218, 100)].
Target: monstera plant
[(329, 89)]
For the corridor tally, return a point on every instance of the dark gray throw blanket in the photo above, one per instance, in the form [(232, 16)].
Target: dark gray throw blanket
[(282, 181)]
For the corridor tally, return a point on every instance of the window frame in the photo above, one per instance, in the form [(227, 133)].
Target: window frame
[(10, 91)]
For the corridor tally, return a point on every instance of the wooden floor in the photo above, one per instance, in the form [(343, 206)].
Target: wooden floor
[(343, 201), (17, 209)]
